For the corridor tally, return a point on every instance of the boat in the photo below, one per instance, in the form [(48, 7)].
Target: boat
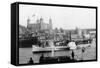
[(36, 49), (52, 47)]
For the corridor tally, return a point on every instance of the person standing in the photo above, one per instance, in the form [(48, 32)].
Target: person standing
[(72, 54), (31, 61), (83, 50)]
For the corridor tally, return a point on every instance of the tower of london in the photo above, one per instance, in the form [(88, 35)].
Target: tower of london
[(39, 25)]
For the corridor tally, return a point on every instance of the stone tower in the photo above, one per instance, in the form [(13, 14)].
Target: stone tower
[(41, 23), (28, 21), (50, 23)]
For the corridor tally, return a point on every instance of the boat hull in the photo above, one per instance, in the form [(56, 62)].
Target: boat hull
[(49, 49)]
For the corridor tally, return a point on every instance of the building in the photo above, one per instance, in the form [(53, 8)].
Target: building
[(39, 25)]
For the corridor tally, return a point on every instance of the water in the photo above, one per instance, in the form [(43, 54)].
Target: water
[(26, 53)]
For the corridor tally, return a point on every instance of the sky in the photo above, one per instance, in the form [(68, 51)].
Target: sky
[(62, 17)]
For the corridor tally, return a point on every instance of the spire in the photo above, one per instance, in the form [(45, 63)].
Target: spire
[(41, 20), (50, 23), (50, 20), (28, 21)]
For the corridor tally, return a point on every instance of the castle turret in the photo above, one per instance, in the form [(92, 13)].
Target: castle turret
[(28, 21)]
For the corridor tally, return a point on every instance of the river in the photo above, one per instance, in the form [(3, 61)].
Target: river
[(26, 53)]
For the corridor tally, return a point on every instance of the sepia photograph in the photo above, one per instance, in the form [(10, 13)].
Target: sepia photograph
[(56, 34)]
